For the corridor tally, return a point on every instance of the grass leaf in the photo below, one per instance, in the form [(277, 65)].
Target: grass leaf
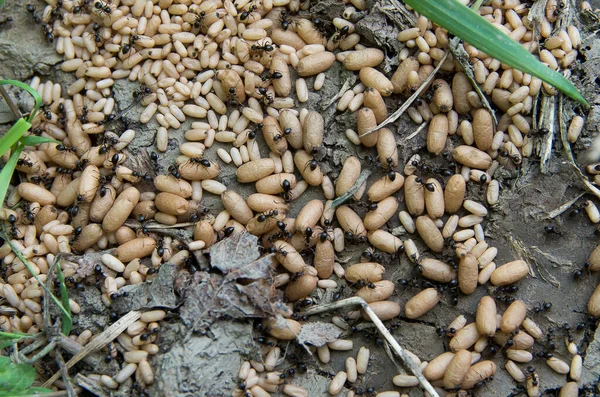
[(7, 172), (16, 379), (475, 30), (32, 140), (36, 96), (13, 135), (9, 338), (66, 313), (67, 323)]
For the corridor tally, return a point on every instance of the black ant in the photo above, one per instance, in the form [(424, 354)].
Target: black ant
[(97, 36), (102, 8), (263, 217), (24, 163), (312, 163), (47, 31), (580, 272), (244, 15), (55, 13), (542, 307), (286, 186), (141, 92), (341, 34), (320, 25), (267, 98), (266, 46), (254, 131), (285, 21), (174, 171), (199, 18), (63, 148), (200, 160), (154, 159), (552, 230), (271, 76), (127, 46), (80, 7), (6, 20), (14, 230)]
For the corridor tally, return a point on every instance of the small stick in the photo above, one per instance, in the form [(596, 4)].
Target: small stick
[(100, 341), (408, 361), (394, 116), (553, 214), (11, 105), (65, 373), (346, 196), (567, 148)]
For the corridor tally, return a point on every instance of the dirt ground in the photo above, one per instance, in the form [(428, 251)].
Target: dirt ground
[(206, 363)]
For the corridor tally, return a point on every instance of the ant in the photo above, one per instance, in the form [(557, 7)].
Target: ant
[(580, 272), (263, 217), (285, 21), (244, 15), (253, 132), (102, 8), (14, 230), (267, 98), (271, 76), (266, 46), (80, 7), (320, 25), (286, 186), (63, 148), (429, 186), (174, 171), (199, 18), (97, 36), (341, 34), (84, 113), (552, 230), (24, 163), (54, 14), (154, 159), (542, 307), (127, 46), (313, 164), (141, 92), (199, 160), (6, 20)]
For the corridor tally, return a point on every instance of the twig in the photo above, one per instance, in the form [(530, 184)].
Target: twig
[(408, 361), (548, 121), (100, 341), (569, 153), (156, 225), (91, 386), (461, 56), (394, 116), (553, 214), (60, 393), (414, 134), (346, 196), (342, 91), (11, 105), (65, 373)]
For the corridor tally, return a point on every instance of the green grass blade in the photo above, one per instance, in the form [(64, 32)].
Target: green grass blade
[(475, 30), (13, 135), (67, 323), (7, 172), (66, 312), (34, 93), (33, 140), (10, 338)]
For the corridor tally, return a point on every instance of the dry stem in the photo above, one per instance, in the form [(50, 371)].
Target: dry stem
[(408, 361)]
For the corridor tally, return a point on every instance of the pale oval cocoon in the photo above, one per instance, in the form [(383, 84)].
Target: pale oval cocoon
[(509, 273), (421, 303)]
